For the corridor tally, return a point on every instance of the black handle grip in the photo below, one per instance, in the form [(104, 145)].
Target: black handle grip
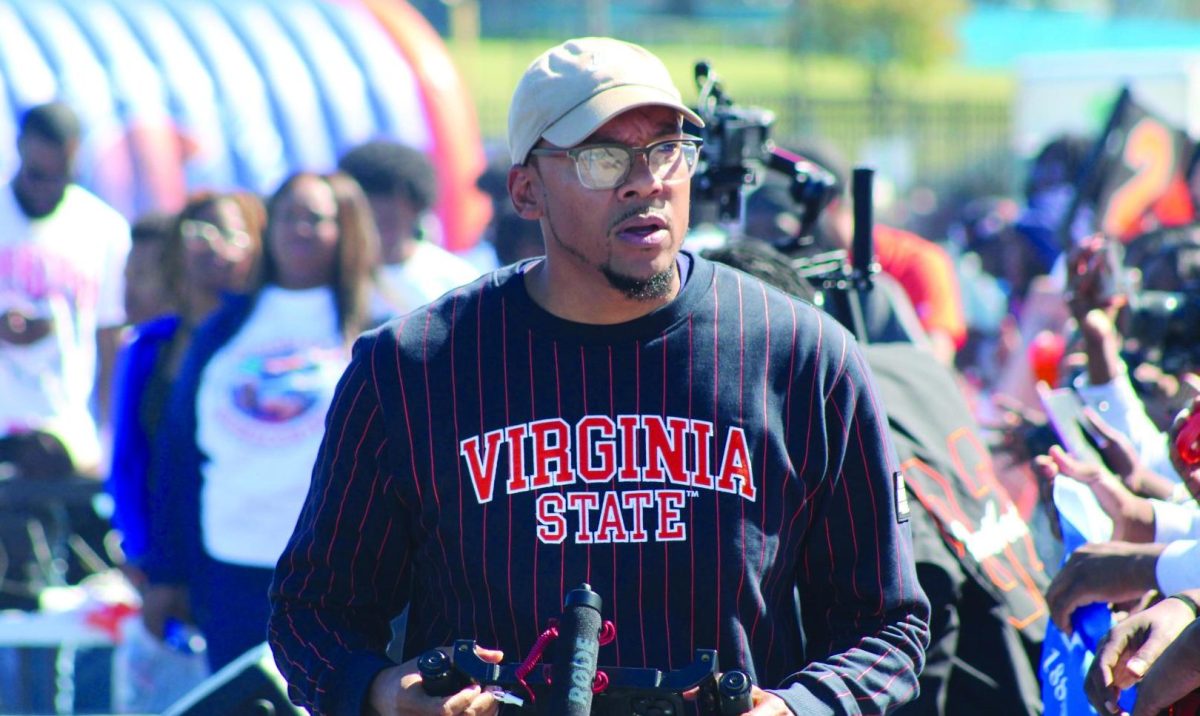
[(438, 675), (733, 693), (577, 650), (862, 247)]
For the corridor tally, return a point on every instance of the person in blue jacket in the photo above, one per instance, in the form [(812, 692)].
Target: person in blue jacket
[(191, 259)]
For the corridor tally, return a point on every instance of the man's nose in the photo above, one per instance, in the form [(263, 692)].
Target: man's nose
[(641, 181)]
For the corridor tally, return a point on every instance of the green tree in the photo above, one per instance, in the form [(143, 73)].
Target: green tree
[(877, 32)]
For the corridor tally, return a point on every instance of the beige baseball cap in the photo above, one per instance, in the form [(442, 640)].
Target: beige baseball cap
[(572, 89)]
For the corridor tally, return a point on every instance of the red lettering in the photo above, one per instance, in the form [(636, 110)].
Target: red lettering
[(552, 526), (636, 502), (704, 476), (594, 437), (482, 468), (629, 460), (736, 465), (612, 526), (671, 527), (553, 453), (551, 447), (517, 481), (665, 451), (583, 503)]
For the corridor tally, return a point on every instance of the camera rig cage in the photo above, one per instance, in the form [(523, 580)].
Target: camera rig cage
[(576, 684), (738, 153)]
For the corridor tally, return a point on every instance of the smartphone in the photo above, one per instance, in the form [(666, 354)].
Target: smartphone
[(1064, 410), (1075, 502), (1114, 277)]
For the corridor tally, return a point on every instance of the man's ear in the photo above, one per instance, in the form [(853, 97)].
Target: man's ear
[(525, 191)]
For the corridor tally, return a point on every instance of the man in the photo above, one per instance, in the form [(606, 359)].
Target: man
[(887, 313), (401, 186), (1155, 544), (703, 450), (922, 268), (985, 626), (62, 255)]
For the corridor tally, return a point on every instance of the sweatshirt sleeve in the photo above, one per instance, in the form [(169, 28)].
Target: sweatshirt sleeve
[(1178, 567), (1118, 403), (176, 459), (865, 615), (343, 575), (1175, 522)]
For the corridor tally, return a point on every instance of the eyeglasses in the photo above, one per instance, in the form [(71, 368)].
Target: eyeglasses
[(607, 165), (195, 231), (305, 219)]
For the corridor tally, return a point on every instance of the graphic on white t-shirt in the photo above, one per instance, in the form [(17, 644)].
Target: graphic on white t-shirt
[(281, 386), (260, 413)]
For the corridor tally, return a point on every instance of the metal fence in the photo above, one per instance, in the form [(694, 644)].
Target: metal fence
[(913, 142), (954, 144)]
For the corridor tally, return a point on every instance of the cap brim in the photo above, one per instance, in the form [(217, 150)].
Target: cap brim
[(579, 124)]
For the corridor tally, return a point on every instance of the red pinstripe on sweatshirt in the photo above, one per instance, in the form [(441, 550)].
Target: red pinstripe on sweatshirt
[(697, 466)]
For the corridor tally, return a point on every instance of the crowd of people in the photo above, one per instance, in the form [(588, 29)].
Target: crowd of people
[(312, 419)]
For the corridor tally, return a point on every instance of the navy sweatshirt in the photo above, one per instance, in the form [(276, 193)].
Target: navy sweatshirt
[(698, 466)]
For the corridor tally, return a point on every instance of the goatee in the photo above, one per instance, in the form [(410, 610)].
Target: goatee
[(641, 289)]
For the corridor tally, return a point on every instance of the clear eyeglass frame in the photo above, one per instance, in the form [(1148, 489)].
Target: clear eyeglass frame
[(213, 235), (607, 165)]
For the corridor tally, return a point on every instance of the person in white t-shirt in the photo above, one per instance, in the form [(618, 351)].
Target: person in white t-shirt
[(247, 413), (62, 258), (401, 186)]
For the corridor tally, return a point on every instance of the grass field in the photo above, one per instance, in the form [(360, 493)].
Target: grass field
[(751, 75)]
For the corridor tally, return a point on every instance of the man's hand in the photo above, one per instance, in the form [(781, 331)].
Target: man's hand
[(762, 703), (1130, 648), (1132, 516), (1090, 278), (161, 602), (1173, 676), (1104, 572), (1122, 458), (396, 691), (767, 704)]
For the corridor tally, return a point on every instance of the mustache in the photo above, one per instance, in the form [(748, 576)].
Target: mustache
[(644, 211)]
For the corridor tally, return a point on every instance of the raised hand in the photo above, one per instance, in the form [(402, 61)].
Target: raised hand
[(1122, 458), (1092, 278), (1132, 516)]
